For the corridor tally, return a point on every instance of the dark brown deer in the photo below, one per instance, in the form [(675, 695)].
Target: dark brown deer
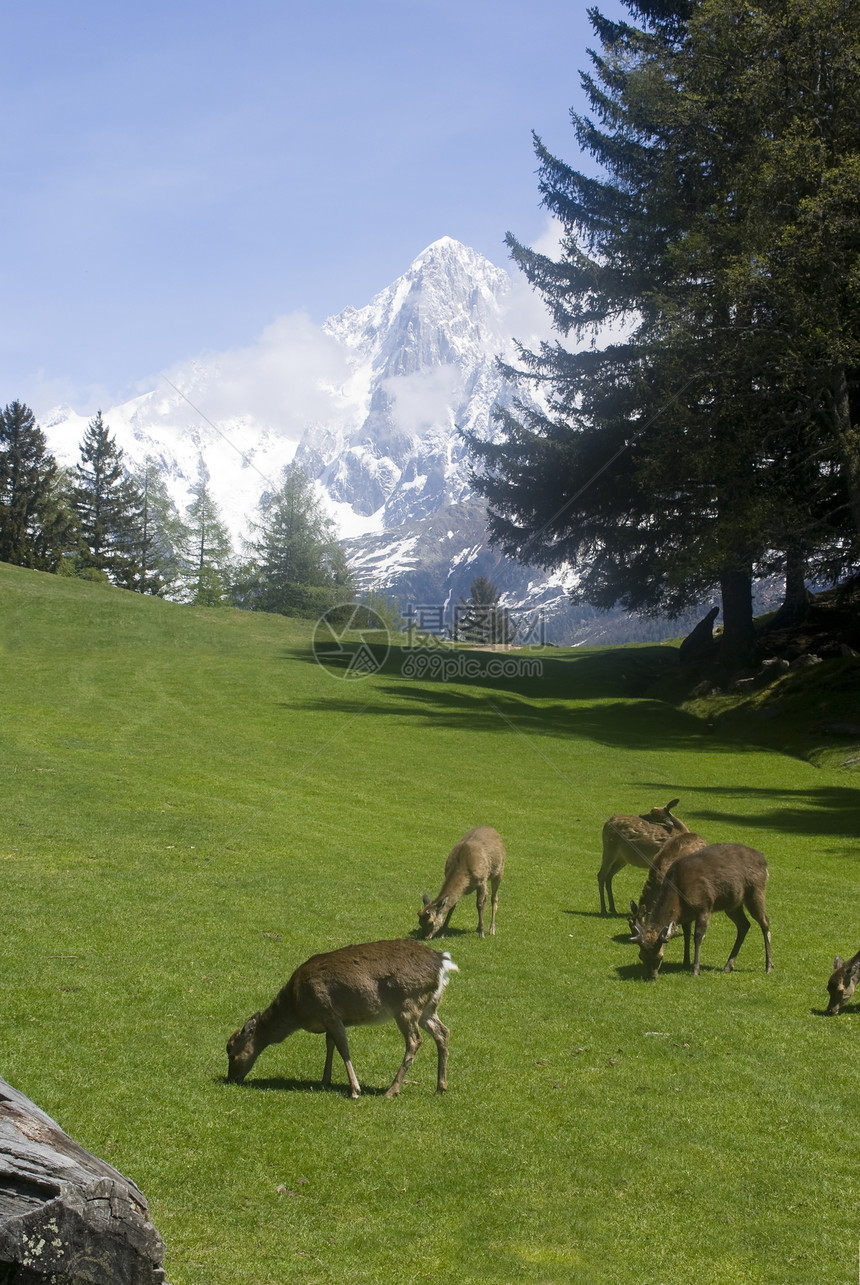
[(722, 876), (633, 841), (473, 863), (677, 845), (842, 982), (378, 981)]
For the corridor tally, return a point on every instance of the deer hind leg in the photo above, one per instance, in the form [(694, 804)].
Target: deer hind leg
[(743, 926), (482, 901), (408, 1027), (494, 884), (755, 905), (432, 1023), (336, 1035), (605, 875)]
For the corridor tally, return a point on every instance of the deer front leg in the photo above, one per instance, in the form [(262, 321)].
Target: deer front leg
[(701, 928), (329, 1058), (336, 1032), (482, 901)]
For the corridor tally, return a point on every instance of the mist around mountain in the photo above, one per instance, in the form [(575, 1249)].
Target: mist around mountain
[(372, 404)]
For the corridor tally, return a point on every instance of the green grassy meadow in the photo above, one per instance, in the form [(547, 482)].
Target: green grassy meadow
[(192, 806)]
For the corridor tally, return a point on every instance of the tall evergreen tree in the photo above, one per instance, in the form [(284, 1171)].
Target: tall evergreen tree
[(161, 534), (109, 508), (717, 434), (481, 618), (36, 524), (298, 564), (209, 551)]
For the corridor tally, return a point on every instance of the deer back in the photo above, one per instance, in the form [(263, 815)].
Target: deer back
[(677, 845)]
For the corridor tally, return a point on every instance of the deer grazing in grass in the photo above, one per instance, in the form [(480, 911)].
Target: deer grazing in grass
[(473, 863), (722, 876), (633, 841), (677, 845), (361, 985), (842, 982)]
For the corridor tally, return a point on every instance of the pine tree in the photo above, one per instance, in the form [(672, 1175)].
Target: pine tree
[(36, 524), (109, 509), (480, 618), (161, 534), (717, 436), (209, 551), (298, 564)]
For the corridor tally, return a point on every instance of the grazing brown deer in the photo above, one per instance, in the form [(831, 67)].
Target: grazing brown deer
[(842, 982), (361, 985), (633, 841), (477, 860), (722, 876), (677, 845)]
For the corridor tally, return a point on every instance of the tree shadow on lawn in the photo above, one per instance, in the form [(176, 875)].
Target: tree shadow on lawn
[(598, 675), (831, 810), (642, 724)]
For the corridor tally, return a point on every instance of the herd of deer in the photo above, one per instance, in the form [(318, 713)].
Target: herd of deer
[(403, 980)]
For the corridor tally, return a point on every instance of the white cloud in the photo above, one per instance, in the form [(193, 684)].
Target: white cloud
[(294, 375)]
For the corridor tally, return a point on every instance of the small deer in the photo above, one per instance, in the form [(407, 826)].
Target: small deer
[(677, 845), (633, 841), (361, 985), (842, 982), (478, 859), (722, 876)]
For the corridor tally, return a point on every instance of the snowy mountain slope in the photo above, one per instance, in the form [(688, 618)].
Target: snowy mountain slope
[(371, 404)]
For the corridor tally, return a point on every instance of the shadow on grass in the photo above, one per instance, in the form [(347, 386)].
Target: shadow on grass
[(282, 1083), (610, 920), (614, 714), (634, 972), (415, 934)]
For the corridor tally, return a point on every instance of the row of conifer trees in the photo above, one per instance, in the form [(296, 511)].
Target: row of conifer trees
[(107, 520)]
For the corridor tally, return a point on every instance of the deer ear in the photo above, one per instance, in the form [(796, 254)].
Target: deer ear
[(443, 901), (837, 963), (634, 909), (425, 897)]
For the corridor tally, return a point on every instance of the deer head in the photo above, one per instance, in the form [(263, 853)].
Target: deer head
[(842, 982)]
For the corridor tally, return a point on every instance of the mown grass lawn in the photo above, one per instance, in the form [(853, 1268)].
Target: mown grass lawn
[(192, 806)]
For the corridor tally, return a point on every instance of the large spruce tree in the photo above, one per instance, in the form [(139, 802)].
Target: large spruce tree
[(209, 551), (158, 535), (298, 565), (109, 509), (36, 524), (715, 438)]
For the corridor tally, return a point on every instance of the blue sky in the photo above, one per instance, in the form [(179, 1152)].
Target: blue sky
[(176, 176)]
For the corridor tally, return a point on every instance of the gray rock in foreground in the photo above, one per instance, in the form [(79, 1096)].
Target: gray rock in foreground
[(66, 1217)]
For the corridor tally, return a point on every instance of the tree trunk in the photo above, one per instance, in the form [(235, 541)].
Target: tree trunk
[(795, 603), (848, 437), (66, 1217), (738, 643)]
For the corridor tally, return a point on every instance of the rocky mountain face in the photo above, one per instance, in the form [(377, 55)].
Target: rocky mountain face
[(372, 405)]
